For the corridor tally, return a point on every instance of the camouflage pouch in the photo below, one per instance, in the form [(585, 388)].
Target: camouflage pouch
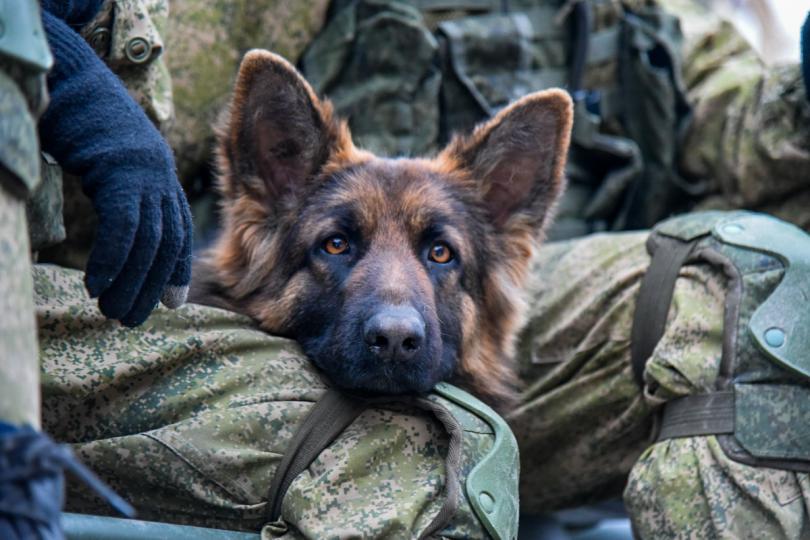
[(126, 34), (189, 417), (491, 60), (758, 407), (376, 61), (630, 112), (651, 105), (44, 208)]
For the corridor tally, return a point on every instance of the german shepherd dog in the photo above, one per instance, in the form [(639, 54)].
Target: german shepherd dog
[(392, 274)]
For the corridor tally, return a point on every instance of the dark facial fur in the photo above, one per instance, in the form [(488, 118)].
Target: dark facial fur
[(391, 274)]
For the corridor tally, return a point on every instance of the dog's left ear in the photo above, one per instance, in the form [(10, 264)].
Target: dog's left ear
[(517, 158)]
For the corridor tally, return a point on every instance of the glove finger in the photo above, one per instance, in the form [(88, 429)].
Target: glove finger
[(118, 299), (115, 236), (174, 295), (171, 244)]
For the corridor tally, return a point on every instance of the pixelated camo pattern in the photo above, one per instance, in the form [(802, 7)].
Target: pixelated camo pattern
[(189, 415), (584, 425)]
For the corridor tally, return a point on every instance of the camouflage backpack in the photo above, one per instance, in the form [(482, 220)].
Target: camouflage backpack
[(407, 74)]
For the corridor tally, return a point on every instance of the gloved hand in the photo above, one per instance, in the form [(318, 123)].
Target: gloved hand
[(32, 484), (142, 249)]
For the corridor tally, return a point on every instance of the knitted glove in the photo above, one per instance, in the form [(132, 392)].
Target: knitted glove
[(32, 484), (142, 249)]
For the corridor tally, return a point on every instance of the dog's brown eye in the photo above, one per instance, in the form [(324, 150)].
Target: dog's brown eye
[(336, 245), (440, 253)]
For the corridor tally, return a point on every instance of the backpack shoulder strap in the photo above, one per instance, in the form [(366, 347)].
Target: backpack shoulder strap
[(329, 417), (654, 299), (333, 413)]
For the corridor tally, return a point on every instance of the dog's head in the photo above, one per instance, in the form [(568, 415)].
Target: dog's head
[(392, 274)]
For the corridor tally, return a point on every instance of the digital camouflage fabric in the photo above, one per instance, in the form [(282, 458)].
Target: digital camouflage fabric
[(764, 274), (193, 429), (749, 138), (584, 424), (188, 417), (655, 84)]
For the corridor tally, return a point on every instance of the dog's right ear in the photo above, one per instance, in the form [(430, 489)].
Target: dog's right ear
[(277, 134)]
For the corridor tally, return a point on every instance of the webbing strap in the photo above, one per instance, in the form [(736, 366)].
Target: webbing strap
[(654, 299), (581, 31), (700, 414), (328, 418)]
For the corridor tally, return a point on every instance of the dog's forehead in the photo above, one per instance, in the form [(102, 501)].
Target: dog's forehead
[(407, 192)]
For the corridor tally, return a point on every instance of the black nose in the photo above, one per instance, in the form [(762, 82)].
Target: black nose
[(395, 332)]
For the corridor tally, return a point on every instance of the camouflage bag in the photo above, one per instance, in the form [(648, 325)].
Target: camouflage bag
[(193, 415)]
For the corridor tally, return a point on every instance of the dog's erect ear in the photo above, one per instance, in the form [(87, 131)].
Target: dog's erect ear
[(518, 157), (277, 132)]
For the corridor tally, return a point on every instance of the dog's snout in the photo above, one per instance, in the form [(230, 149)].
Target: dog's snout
[(395, 332)]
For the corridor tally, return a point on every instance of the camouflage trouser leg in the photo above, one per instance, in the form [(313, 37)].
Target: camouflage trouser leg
[(584, 424), (188, 416), (19, 369), (688, 488)]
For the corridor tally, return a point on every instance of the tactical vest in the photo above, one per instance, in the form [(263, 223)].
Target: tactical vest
[(760, 407), (408, 74)]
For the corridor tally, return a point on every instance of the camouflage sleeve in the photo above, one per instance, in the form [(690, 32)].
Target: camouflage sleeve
[(19, 174), (750, 131)]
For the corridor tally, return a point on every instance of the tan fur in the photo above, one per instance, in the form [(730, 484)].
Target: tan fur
[(245, 257)]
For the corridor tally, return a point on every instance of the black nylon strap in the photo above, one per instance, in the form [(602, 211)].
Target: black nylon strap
[(581, 31), (330, 416), (327, 419), (701, 414), (654, 299)]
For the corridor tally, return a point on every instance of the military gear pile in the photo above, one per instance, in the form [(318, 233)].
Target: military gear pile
[(410, 74)]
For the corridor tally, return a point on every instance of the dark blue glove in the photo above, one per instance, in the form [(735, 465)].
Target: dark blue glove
[(142, 250), (32, 484)]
